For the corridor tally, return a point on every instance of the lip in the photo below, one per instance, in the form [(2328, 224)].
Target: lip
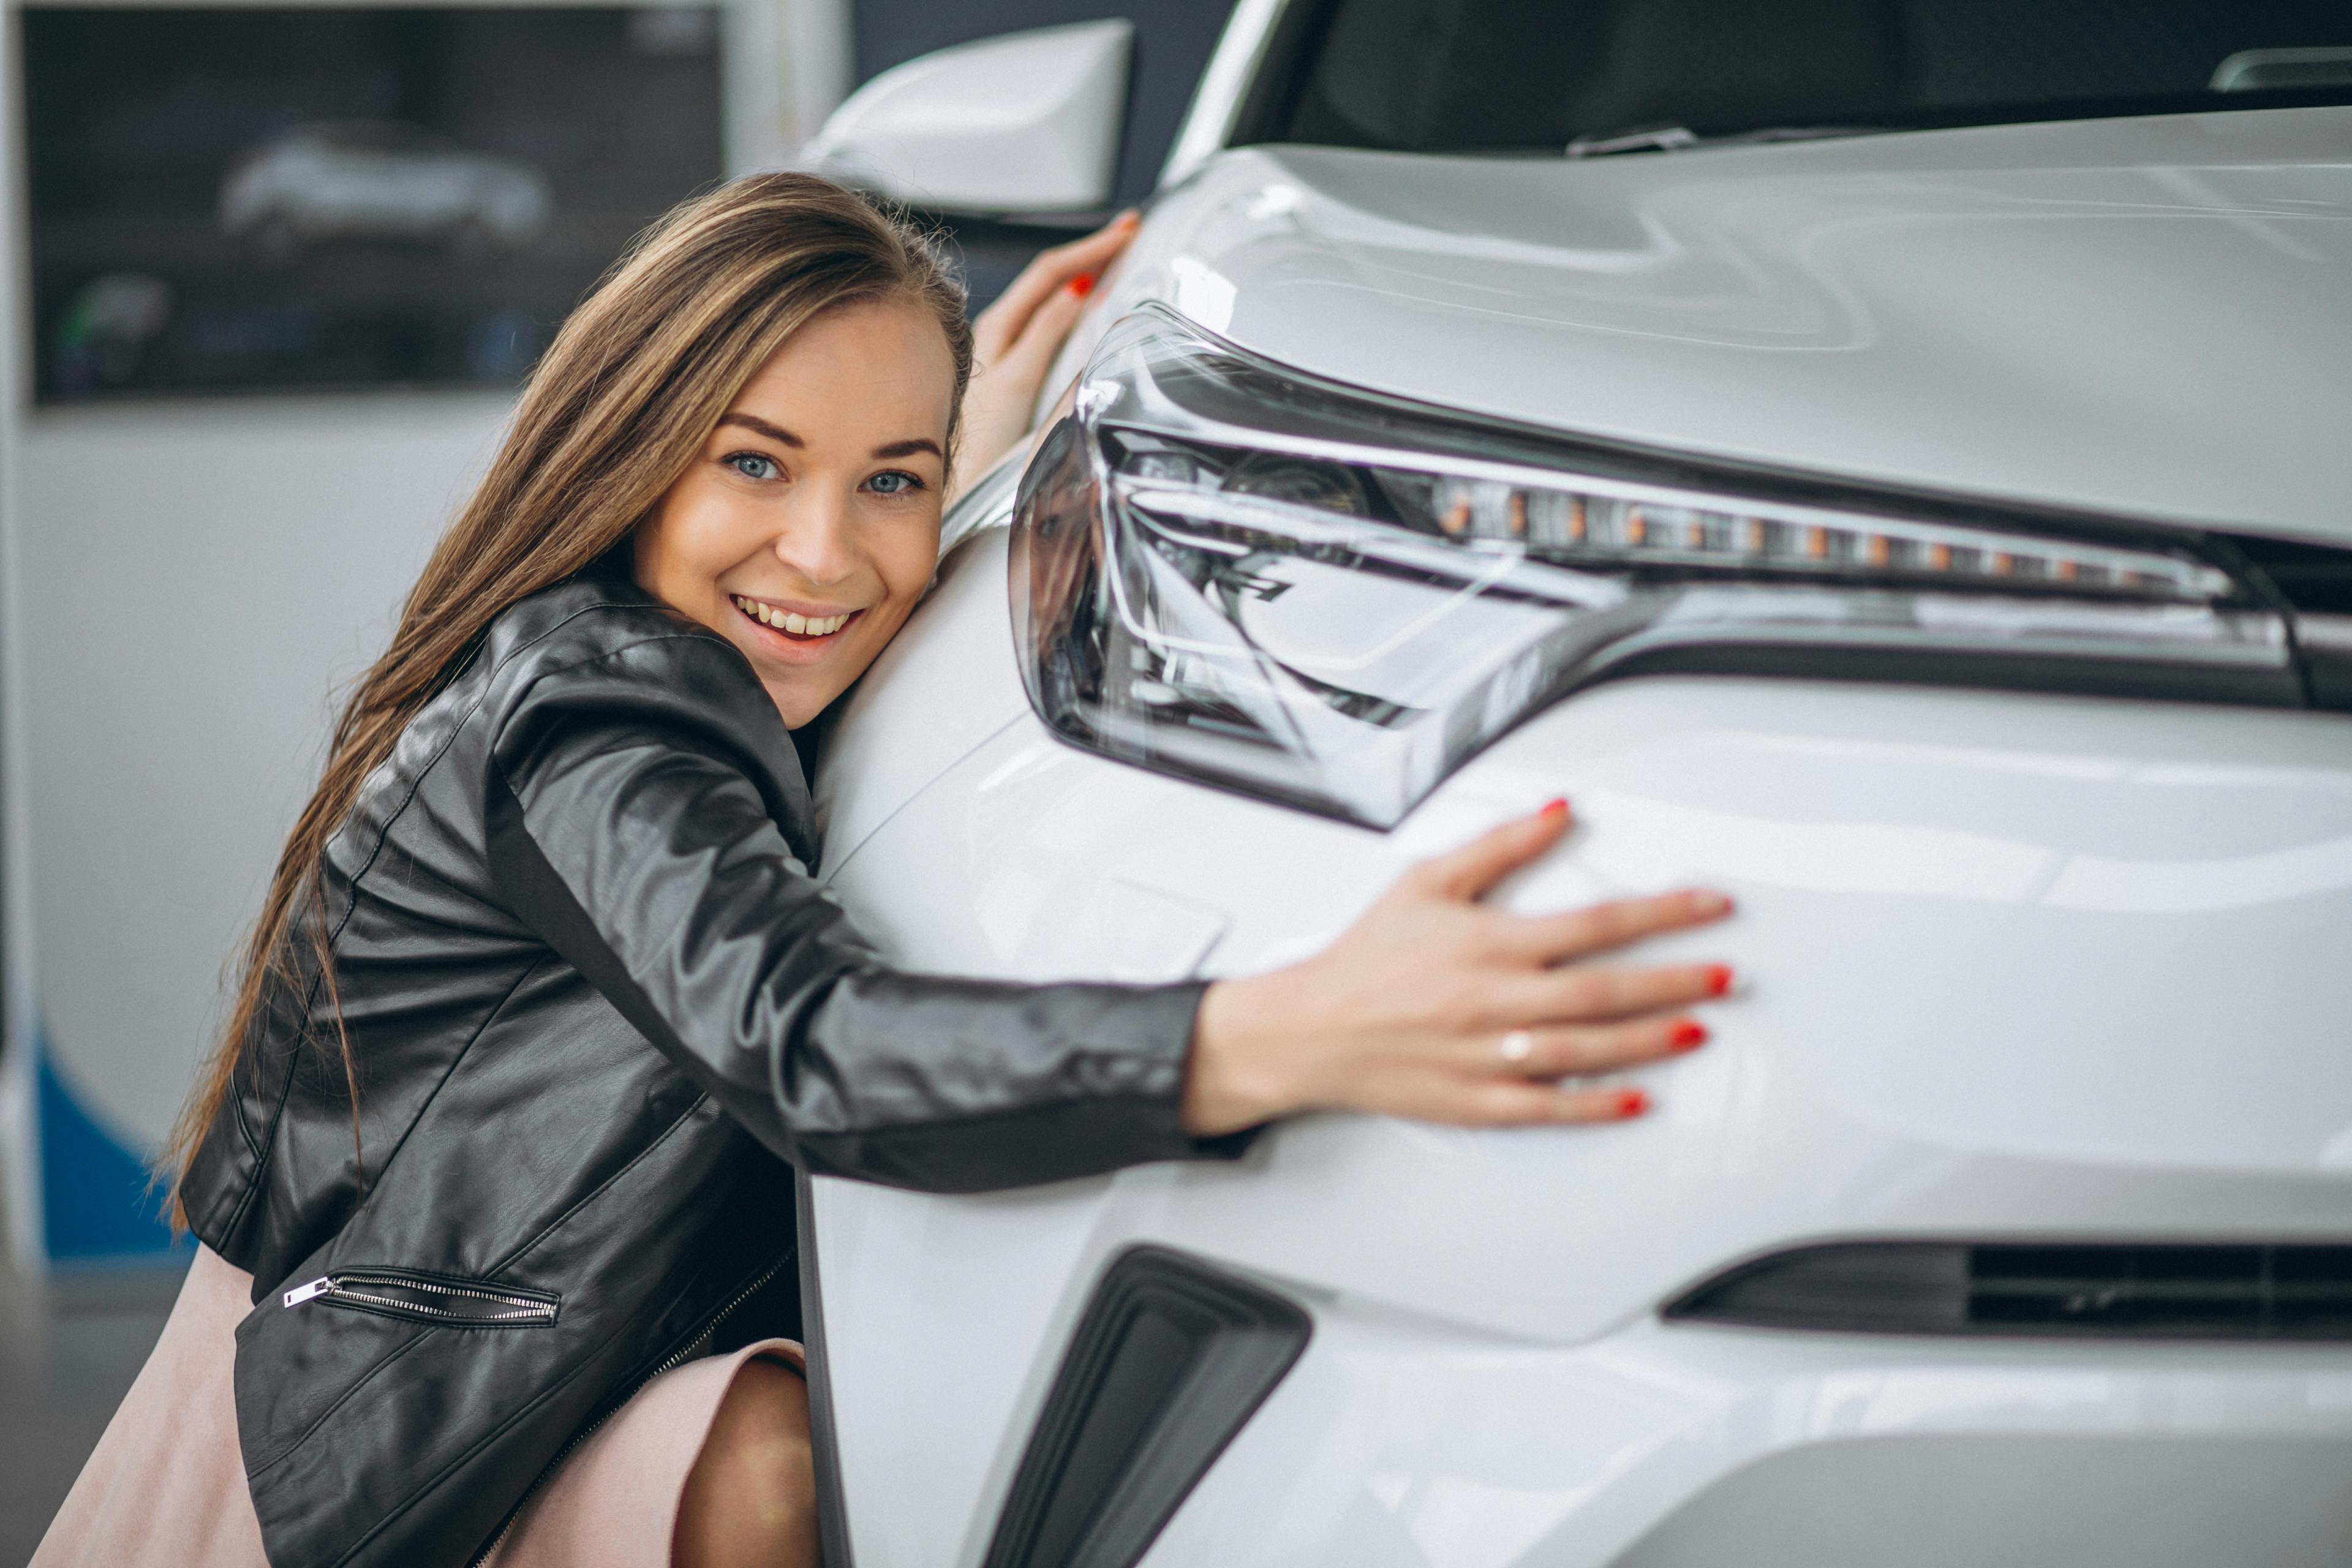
[(783, 644)]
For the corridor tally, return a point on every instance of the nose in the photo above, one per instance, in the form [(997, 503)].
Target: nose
[(819, 542)]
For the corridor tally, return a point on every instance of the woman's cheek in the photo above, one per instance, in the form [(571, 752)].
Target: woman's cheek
[(698, 536), (923, 551)]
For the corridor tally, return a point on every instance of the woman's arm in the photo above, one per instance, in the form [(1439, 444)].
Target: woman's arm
[(634, 810)]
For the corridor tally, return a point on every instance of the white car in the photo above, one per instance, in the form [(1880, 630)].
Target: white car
[(380, 180), (1931, 523)]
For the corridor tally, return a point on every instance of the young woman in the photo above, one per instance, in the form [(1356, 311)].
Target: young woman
[(543, 996)]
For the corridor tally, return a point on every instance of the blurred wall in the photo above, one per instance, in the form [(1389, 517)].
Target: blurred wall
[(19, 1205), (198, 580), (183, 584)]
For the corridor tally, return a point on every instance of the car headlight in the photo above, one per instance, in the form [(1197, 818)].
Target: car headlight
[(1230, 571)]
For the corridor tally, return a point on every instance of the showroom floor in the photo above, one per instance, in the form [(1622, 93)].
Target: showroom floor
[(68, 1350)]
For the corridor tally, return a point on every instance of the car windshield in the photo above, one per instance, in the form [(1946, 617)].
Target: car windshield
[(1457, 76)]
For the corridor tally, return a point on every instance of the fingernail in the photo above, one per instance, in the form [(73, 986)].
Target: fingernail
[(1709, 902), (1130, 218), (1633, 1102), (1082, 284), (1719, 979), (1556, 807), (1688, 1035)]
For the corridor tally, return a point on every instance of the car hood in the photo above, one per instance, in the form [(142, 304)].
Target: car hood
[(2149, 317)]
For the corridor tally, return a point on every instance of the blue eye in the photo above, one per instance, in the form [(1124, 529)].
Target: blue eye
[(752, 465), (894, 482)]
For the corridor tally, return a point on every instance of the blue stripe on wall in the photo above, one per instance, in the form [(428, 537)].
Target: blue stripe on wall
[(96, 1201)]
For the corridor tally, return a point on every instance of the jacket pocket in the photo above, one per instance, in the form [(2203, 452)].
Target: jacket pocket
[(445, 1301)]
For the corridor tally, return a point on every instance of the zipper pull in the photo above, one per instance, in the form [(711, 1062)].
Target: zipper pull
[(301, 1293)]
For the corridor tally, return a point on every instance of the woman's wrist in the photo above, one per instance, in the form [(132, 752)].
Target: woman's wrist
[(1240, 1048)]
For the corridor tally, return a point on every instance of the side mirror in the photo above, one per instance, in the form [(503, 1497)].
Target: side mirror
[(1027, 123)]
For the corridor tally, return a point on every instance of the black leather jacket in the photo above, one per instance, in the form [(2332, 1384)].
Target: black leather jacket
[(596, 1000)]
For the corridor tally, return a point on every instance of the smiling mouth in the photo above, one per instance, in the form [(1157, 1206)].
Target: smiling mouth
[(791, 623)]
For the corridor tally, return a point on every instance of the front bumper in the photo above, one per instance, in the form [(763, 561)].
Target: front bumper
[(2013, 968), (1394, 1443)]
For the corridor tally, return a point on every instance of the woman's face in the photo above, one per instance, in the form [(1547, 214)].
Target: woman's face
[(809, 522)]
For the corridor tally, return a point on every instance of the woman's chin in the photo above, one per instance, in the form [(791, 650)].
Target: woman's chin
[(802, 680), (803, 674)]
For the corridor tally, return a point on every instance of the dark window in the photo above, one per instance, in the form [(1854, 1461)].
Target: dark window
[(247, 198), (1451, 76)]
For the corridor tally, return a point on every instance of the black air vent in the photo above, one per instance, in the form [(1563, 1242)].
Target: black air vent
[(1168, 1359), (2314, 578), (2288, 1291)]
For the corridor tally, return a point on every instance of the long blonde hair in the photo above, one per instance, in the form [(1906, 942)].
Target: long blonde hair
[(625, 397)]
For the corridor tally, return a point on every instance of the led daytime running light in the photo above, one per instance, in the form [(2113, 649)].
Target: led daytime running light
[(1229, 573)]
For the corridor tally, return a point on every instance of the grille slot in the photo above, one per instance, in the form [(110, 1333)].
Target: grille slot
[(2071, 1289), (1168, 1361)]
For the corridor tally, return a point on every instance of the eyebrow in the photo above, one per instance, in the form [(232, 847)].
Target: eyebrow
[(772, 432), (779, 433)]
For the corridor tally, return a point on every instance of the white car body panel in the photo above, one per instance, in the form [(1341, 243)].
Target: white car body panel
[(960, 701), (2017, 966), (1395, 1444), (1822, 306), (1891, 848)]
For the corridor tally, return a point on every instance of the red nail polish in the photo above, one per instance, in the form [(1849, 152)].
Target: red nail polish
[(1556, 807), (1718, 980), (1633, 1102), (1082, 284), (1688, 1035)]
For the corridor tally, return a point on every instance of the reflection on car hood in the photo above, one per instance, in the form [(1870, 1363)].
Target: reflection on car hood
[(2149, 317)]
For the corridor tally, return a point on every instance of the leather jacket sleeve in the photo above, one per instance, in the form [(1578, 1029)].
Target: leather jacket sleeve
[(634, 812)]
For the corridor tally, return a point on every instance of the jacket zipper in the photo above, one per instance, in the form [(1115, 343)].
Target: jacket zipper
[(339, 1287), (668, 1363)]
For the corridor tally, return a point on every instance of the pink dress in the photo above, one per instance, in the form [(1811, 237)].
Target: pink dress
[(165, 1486)]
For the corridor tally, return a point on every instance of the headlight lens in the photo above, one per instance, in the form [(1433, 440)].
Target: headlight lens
[(1231, 571)]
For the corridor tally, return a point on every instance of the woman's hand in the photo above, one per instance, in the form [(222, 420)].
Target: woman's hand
[(1014, 342), (1436, 1007)]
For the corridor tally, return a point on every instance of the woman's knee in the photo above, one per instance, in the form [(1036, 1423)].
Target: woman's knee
[(766, 1401), (751, 1495)]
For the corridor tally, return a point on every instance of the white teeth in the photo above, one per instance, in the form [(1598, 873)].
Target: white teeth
[(789, 621)]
